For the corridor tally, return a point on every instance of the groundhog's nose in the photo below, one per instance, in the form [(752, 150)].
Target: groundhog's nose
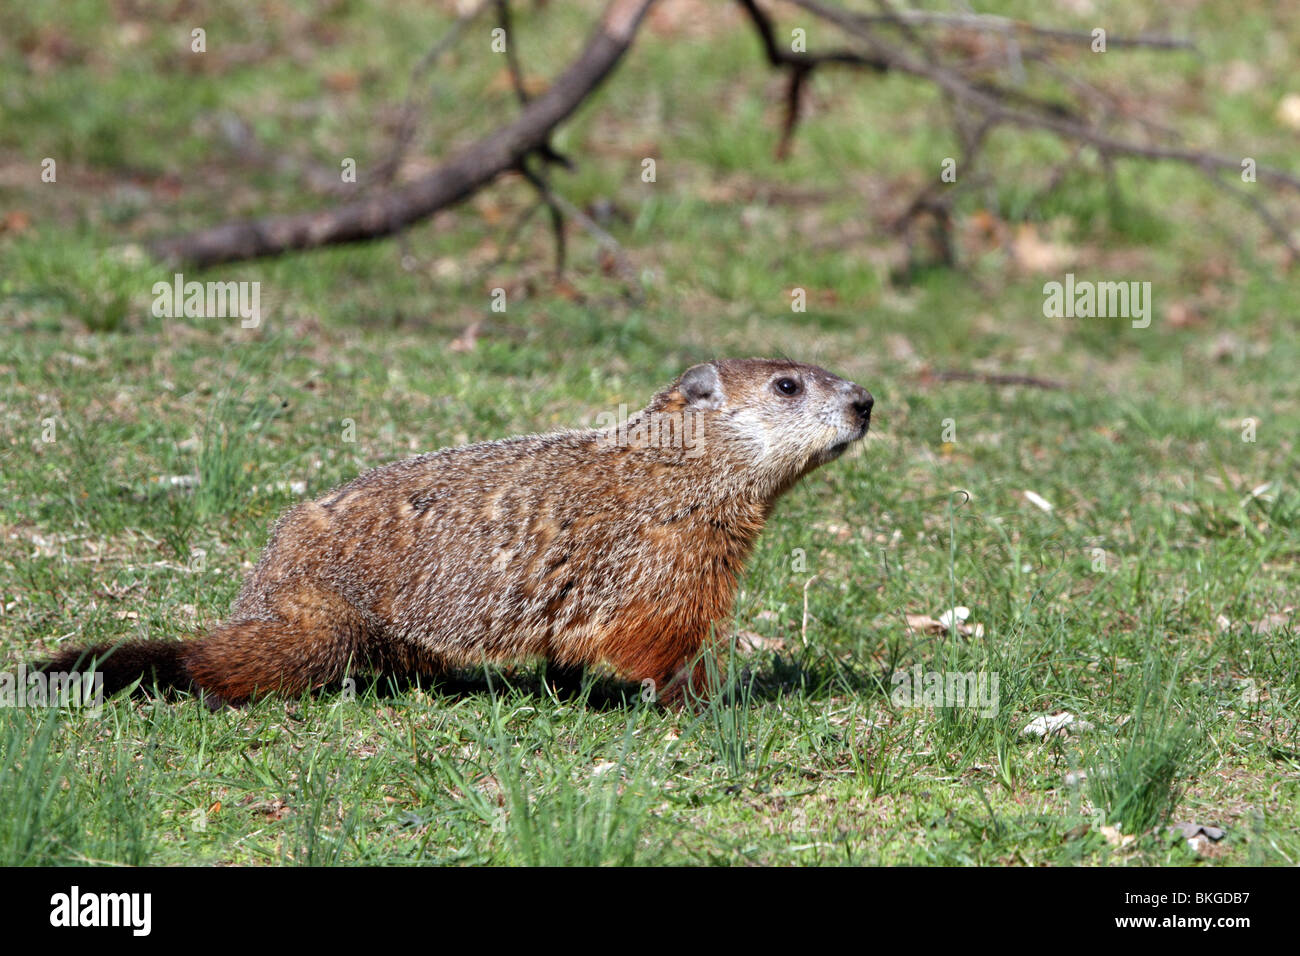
[(862, 402)]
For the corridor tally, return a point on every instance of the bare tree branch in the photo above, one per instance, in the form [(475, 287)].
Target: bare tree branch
[(994, 378), (891, 41), (989, 102), (800, 65), (453, 181), (999, 106), (1005, 25), (777, 55)]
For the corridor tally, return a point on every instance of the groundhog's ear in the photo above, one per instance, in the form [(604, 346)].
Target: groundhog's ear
[(701, 387)]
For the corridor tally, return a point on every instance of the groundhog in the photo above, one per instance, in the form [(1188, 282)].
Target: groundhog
[(618, 547)]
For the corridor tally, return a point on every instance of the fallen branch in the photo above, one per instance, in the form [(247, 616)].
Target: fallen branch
[(989, 101), (886, 42), (992, 106), (990, 23), (993, 378), (456, 179)]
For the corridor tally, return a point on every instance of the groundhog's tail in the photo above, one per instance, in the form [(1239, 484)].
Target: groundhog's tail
[(157, 664), (234, 662)]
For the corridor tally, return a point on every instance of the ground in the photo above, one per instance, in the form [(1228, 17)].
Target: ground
[(1126, 544)]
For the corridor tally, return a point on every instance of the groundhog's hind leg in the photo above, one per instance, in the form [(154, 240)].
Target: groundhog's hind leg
[(309, 637), (241, 659)]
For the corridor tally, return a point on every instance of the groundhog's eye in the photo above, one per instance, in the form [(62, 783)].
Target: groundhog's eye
[(788, 387)]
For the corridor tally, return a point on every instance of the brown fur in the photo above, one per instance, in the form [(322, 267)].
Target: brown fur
[(581, 547)]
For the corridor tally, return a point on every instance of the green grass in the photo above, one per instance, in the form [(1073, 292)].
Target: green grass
[(1155, 600)]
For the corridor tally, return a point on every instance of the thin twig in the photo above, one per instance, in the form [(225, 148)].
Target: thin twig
[(386, 169), (804, 630), (989, 101), (543, 188), (991, 378), (1014, 108), (1004, 25), (800, 65), (512, 53), (511, 237), (563, 207)]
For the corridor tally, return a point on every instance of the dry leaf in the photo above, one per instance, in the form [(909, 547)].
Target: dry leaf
[(943, 623), (274, 809), (1032, 253), (1115, 838), (1240, 76), (1061, 724), (751, 642), (1181, 315), (15, 222), (1191, 830), (1038, 500), (1272, 622), (1288, 111), (466, 341), (342, 81), (923, 622)]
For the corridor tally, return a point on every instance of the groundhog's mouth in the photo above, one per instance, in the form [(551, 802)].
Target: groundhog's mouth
[(840, 447)]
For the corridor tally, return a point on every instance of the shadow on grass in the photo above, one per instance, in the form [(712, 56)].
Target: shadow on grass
[(757, 679), (764, 679)]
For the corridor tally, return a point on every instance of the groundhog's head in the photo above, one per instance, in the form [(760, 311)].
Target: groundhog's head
[(781, 418)]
